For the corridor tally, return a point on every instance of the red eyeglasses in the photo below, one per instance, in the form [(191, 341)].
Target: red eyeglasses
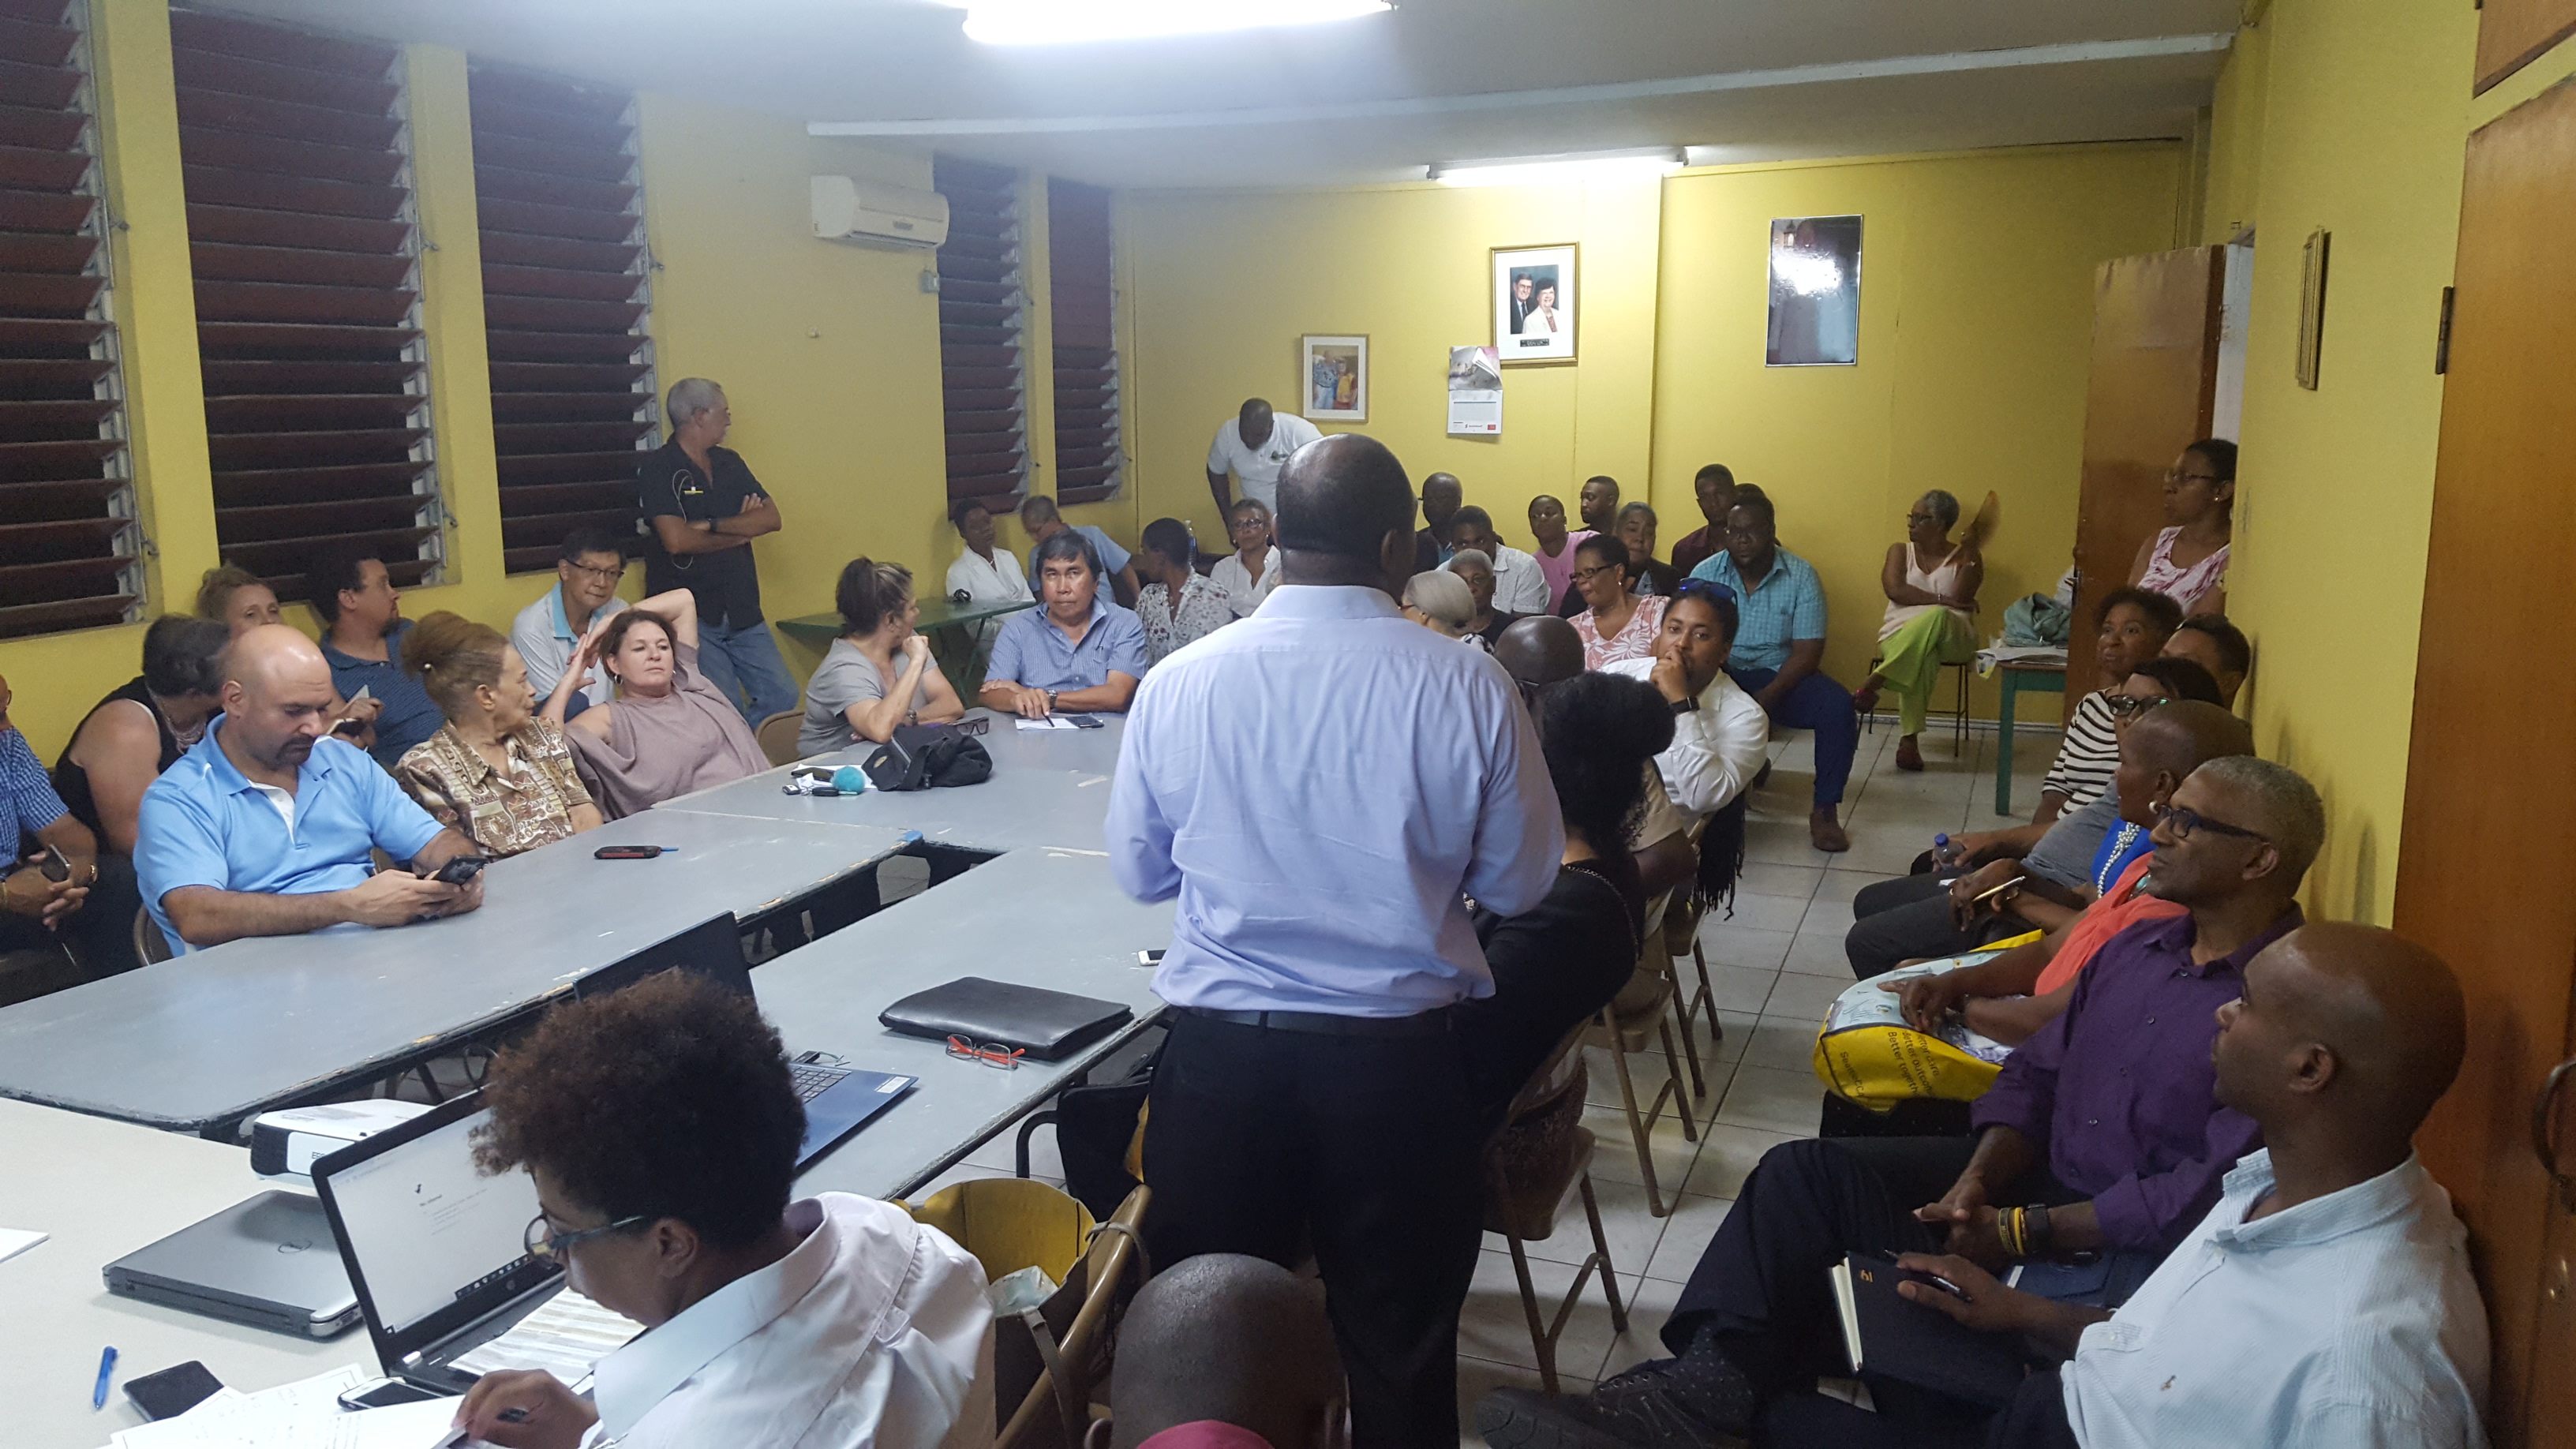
[(991, 1054)]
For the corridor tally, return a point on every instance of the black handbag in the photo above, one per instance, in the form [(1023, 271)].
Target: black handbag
[(920, 756)]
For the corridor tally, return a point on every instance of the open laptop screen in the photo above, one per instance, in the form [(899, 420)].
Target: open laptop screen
[(424, 1231)]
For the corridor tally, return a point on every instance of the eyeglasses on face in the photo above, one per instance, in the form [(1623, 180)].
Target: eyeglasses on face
[(2185, 822), (2124, 705), (1585, 576), (991, 1054), (541, 1244), (605, 576)]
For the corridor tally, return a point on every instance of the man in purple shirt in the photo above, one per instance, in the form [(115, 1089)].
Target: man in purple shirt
[(2102, 1134)]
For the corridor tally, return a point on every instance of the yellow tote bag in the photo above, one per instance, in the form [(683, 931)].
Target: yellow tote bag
[(1866, 1054)]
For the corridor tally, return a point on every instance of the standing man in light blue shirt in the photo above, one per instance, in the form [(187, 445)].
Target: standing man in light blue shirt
[(263, 828), (1313, 1087)]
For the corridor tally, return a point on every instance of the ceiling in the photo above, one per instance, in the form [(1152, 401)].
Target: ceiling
[(1376, 99)]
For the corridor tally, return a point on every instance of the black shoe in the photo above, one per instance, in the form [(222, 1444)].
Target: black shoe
[(1659, 1405)]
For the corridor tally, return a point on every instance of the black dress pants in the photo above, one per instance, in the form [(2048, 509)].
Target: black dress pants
[(1909, 917), (1760, 1292), (1262, 1139)]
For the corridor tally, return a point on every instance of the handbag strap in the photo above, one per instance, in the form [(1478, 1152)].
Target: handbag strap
[(1067, 1406)]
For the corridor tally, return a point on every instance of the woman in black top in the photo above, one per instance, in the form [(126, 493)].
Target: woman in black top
[(120, 748), (1562, 960)]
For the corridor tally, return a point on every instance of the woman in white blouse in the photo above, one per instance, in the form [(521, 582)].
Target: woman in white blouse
[(1248, 574), (985, 573), (662, 1126)]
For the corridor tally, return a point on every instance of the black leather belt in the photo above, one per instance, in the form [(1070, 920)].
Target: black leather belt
[(1428, 1023)]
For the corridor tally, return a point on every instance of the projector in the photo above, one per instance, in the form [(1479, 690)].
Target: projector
[(283, 1144)]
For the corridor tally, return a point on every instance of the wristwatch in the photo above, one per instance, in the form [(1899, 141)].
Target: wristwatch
[(1051, 701), (1687, 704)]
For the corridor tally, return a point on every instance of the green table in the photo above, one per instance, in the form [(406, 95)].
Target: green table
[(2014, 679), (949, 625)]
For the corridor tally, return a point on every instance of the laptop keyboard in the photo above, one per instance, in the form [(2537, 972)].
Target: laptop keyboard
[(812, 1079)]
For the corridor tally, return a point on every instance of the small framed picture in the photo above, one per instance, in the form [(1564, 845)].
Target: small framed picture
[(1333, 371), (1534, 303)]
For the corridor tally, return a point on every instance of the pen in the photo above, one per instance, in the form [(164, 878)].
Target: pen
[(1995, 890), (106, 1366)]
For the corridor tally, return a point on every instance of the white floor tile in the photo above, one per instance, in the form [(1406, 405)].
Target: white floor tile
[(1686, 1235), (1614, 1158), (1627, 1225), (1754, 912), (1727, 943), (1804, 996), (1650, 1301), (1495, 1326), (1773, 1100), (1779, 880), (1729, 1153), (1819, 953), (1781, 1046)]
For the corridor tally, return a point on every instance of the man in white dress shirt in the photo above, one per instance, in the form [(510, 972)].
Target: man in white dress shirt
[(662, 1126), (1254, 445), (1312, 1089), (1519, 588)]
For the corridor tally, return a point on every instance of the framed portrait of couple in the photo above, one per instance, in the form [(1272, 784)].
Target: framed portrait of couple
[(1332, 376), (1534, 303)]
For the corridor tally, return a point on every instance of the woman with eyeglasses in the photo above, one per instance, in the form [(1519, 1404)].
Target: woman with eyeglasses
[(2187, 561), (1250, 572), (661, 1126), (497, 773), (1617, 623), (1927, 624)]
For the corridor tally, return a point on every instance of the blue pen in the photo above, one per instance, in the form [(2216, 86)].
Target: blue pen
[(106, 1366)]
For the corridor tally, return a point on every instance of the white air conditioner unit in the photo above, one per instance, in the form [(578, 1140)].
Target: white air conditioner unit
[(872, 213)]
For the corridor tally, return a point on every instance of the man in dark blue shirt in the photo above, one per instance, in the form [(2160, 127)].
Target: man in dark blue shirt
[(702, 508)]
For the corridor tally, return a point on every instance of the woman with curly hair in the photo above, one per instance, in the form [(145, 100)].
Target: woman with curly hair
[(661, 1126)]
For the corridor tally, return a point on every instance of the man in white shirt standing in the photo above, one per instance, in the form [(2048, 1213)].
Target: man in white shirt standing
[(1253, 445), (1519, 588), (588, 569), (1312, 1089)]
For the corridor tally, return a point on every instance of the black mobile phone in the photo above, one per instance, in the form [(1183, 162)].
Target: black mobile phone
[(461, 869), (52, 866), (384, 1394), (173, 1391), (626, 852), (349, 728), (1084, 722)]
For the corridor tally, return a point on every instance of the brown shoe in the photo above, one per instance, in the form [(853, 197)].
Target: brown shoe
[(1908, 756), (1825, 833)]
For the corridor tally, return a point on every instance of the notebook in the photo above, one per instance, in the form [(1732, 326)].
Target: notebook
[(1886, 1337)]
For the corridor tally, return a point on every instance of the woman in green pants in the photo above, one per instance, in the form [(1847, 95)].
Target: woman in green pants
[(1931, 588)]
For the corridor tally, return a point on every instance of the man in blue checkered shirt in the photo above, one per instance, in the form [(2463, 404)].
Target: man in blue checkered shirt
[(1780, 649), (32, 903)]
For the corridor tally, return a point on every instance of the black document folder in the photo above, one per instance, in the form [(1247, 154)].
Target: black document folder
[(1887, 1337), (1049, 1025)]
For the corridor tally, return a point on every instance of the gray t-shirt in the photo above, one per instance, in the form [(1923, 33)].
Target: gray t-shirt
[(2065, 854), (844, 678)]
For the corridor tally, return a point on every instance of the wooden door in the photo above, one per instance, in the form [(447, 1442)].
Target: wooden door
[(2513, 33), (2153, 383), (2489, 849)]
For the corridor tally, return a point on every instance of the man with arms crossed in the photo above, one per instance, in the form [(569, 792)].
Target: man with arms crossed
[(263, 828), (702, 509), (1312, 1088)]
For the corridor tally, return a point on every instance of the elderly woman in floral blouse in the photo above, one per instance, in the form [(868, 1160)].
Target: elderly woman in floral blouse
[(497, 772)]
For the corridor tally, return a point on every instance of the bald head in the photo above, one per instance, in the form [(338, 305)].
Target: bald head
[(2181, 735), (277, 699), (2345, 1029), (1341, 500), (1540, 650), (1221, 1336), (271, 653)]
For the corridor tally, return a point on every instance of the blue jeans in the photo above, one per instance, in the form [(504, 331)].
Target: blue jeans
[(1821, 705), (744, 661)]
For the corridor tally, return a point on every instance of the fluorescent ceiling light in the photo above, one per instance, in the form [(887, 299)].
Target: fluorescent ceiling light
[(1057, 22), (1544, 170)]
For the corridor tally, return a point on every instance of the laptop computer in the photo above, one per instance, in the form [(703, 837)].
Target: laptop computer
[(838, 1100), (266, 1262), (435, 1251)]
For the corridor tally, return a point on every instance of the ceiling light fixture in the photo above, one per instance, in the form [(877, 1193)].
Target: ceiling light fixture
[(1060, 22), (1638, 164)]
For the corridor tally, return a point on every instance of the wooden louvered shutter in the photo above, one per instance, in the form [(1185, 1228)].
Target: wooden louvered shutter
[(1082, 295), (979, 330), (67, 536), (300, 225), (564, 302)]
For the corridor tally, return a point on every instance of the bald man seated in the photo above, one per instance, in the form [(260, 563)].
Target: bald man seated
[(1224, 1351), (264, 828), (2013, 995), (2324, 1299)]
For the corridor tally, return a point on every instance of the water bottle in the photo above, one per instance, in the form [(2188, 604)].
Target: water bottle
[(1945, 851)]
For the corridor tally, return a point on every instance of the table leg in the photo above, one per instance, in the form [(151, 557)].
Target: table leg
[(2005, 689)]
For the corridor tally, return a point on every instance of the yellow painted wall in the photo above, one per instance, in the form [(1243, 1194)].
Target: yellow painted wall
[(2364, 111), (1221, 285)]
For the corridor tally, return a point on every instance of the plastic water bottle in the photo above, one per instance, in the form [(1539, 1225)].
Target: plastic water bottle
[(1945, 851)]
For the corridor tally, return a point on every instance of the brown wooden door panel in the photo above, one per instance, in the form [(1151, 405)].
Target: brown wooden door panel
[(2489, 841), (2513, 33), (2153, 382)]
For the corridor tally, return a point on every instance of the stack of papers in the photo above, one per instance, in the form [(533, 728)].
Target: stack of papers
[(2020, 656), (305, 1415), (564, 1338)]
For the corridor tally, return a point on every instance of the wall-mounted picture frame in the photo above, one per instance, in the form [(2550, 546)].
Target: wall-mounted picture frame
[(1815, 292), (1535, 303), (1333, 378)]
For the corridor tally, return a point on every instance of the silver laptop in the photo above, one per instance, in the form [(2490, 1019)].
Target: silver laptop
[(268, 1262)]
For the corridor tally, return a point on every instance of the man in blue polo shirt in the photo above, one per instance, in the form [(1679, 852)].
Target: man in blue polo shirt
[(263, 829), (1780, 650), (1077, 652)]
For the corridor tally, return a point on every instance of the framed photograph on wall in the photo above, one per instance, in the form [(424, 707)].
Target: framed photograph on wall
[(1815, 292), (1333, 372), (1534, 303)]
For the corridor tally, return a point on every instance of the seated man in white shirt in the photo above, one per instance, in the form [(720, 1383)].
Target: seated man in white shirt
[(986, 573), (661, 1125), (588, 568)]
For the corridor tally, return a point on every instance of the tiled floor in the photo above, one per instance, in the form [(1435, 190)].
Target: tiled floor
[(1777, 964)]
